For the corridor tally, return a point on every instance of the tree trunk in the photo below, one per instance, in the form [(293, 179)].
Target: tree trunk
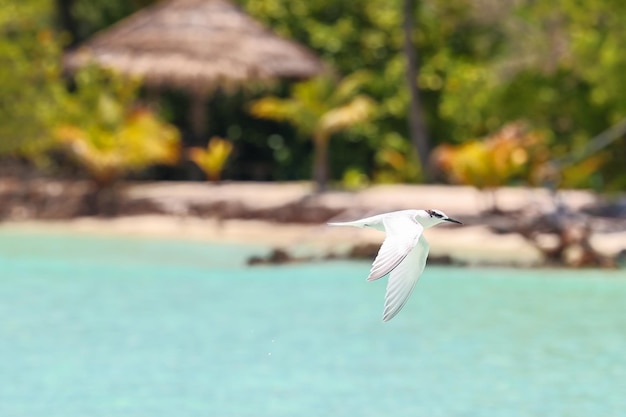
[(198, 119), (417, 127), (66, 21), (320, 162)]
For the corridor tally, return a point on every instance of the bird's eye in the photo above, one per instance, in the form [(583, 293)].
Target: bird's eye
[(434, 213)]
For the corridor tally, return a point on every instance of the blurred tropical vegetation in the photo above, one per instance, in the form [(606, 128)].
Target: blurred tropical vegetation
[(211, 160), (106, 132), (320, 108), (557, 68)]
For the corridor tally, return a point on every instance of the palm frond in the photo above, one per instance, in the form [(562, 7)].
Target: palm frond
[(359, 109), (293, 111), (350, 85)]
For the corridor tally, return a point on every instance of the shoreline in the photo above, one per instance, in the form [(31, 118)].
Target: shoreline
[(300, 240), (287, 216)]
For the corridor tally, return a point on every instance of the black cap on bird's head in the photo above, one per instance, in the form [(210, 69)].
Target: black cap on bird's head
[(438, 214)]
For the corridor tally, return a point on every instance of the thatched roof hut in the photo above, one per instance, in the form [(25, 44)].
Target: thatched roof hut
[(195, 45)]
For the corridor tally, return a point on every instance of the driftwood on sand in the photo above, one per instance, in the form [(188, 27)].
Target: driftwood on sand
[(583, 230), (562, 235)]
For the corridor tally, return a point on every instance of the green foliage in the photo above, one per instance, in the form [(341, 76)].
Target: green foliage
[(96, 120), (106, 133), (30, 77), (560, 69), (94, 15), (395, 161), (16, 15), (319, 108), (212, 159), (559, 66), (512, 154), (361, 34)]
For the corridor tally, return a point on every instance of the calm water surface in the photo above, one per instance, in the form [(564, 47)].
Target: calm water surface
[(127, 327)]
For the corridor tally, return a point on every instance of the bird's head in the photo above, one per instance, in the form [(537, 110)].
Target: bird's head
[(430, 218)]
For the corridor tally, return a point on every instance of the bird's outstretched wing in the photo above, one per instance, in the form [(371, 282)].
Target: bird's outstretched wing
[(402, 234), (403, 278)]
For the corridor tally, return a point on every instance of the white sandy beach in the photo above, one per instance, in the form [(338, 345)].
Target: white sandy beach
[(473, 242)]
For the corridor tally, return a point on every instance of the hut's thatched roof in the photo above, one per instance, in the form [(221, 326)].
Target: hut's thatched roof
[(196, 45)]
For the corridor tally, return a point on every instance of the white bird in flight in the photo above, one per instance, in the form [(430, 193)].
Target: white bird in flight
[(403, 253)]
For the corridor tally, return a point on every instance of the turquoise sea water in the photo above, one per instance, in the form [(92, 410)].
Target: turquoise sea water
[(94, 326)]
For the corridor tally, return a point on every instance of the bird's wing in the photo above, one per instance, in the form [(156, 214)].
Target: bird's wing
[(403, 279), (402, 234)]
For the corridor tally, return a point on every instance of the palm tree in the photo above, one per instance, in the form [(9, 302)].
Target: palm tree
[(105, 131), (107, 153), (319, 108)]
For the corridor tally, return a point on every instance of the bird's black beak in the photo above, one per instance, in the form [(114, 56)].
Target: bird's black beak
[(453, 221)]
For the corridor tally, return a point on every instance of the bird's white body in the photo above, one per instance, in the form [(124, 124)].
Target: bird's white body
[(403, 253)]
